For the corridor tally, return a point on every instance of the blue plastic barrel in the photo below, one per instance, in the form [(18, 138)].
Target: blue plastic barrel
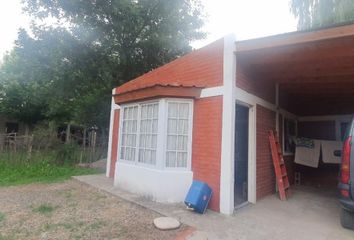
[(198, 196)]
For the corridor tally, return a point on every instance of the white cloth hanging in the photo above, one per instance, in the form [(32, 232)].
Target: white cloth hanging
[(308, 156), (328, 148)]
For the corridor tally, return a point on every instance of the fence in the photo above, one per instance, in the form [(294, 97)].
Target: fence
[(87, 149)]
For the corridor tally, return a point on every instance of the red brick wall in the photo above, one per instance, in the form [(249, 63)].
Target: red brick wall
[(115, 135), (260, 88), (202, 67), (265, 170), (206, 147)]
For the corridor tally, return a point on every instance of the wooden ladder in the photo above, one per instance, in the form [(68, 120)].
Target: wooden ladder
[(279, 166)]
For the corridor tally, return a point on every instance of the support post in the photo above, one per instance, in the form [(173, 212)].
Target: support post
[(228, 127)]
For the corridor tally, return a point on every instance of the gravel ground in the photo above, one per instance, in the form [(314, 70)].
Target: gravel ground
[(71, 210)]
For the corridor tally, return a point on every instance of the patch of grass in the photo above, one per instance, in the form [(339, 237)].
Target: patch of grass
[(2, 237), (97, 225), (69, 226), (44, 209), (2, 216), (42, 167)]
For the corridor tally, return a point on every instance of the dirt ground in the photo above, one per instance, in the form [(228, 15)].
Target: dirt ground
[(71, 210)]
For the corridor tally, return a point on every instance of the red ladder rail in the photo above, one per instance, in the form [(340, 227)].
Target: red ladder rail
[(279, 166)]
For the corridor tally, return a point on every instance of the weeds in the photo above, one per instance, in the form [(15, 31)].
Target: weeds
[(44, 209), (42, 167), (2, 216)]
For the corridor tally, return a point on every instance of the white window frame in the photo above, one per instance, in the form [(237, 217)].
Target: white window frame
[(139, 133), (161, 134), (121, 133), (190, 131), (121, 118)]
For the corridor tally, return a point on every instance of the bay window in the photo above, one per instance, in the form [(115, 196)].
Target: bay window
[(157, 133)]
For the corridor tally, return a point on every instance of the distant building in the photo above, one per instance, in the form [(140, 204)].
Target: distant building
[(8, 125)]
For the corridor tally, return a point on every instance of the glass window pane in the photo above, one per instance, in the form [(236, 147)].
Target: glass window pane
[(181, 159), (180, 143), (172, 110), (122, 152), (143, 112), (171, 159), (153, 157), (134, 126), (156, 111), (135, 113), (183, 110), (154, 126), (148, 126), (154, 141), (141, 155), (171, 142), (172, 126)]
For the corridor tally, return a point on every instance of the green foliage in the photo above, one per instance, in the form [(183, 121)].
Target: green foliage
[(65, 74), (322, 13), (42, 167), (67, 153), (2, 216), (45, 209)]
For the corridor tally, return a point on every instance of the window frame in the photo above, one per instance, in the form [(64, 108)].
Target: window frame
[(161, 148), (190, 132), (121, 133), (288, 153)]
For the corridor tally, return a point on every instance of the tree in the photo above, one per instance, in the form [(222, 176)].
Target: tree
[(138, 35), (321, 13), (94, 46)]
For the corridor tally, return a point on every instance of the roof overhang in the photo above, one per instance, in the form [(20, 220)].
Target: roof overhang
[(314, 68), (157, 91), (292, 38)]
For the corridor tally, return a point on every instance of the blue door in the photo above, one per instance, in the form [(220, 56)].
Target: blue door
[(241, 154)]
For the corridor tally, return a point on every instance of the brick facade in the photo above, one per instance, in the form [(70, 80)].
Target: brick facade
[(265, 120), (255, 86), (206, 146), (265, 171), (203, 67)]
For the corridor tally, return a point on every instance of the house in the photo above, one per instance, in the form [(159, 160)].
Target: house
[(206, 116), (8, 125)]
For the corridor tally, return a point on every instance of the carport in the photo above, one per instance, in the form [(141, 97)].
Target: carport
[(310, 77)]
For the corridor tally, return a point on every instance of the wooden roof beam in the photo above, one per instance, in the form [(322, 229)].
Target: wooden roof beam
[(294, 38)]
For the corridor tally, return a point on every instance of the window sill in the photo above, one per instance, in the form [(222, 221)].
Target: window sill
[(153, 167)]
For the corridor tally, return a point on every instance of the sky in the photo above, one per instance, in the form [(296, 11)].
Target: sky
[(245, 18)]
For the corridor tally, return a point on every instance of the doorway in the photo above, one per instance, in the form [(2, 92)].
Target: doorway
[(241, 155)]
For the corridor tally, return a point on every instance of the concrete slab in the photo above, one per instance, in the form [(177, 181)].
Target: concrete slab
[(309, 214)]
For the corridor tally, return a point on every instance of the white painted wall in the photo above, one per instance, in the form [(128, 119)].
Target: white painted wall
[(158, 185)]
